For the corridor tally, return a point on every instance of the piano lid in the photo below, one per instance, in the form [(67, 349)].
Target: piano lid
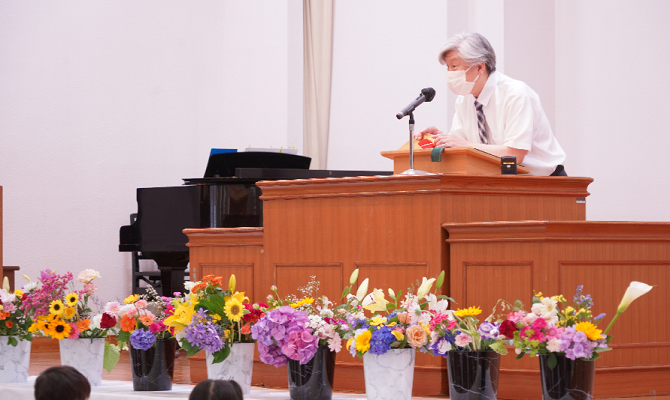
[(224, 164)]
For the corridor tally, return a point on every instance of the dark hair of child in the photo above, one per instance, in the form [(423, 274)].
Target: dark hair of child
[(216, 390), (62, 383)]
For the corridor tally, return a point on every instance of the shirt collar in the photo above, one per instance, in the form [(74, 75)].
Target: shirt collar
[(489, 88)]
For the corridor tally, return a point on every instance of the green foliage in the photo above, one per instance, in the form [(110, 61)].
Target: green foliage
[(111, 357), (222, 354)]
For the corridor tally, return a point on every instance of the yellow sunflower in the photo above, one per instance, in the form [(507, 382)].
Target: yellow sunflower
[(363, 341), (234, 309), (71, 299), (69, 312), (56, 307), (239, 296), (468, 312), (59, 330), (592, 332)]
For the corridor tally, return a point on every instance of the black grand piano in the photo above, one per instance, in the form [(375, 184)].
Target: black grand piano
[(226, 197)]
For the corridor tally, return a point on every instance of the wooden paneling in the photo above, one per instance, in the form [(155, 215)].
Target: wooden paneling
[(289, 278), (556, 257), (455, 160)]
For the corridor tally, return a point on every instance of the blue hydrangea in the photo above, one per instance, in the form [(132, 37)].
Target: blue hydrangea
[(142, 339), (381, 339)]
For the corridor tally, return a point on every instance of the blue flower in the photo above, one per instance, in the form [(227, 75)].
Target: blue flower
[(142, 339), (204, 336), (381, 339)]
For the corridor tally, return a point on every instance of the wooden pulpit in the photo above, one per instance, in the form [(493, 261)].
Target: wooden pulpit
[(455, 160)]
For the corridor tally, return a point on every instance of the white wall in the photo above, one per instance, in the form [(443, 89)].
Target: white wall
[(99, 98), (612, 99)]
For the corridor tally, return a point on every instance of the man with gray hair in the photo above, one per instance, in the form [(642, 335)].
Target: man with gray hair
[(495, 113)]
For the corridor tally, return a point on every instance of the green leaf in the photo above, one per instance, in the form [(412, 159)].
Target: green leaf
[(221, 355), (111, 357), (552, 361), (520, 355), (12, 341), (345, 292), (124, 336), (498, 347)]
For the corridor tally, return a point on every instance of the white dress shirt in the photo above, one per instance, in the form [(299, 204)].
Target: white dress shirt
[(514, 118)]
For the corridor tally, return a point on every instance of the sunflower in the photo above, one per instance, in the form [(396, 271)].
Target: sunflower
[(60, 330), (69, 312), (363, 341), (592, 332), (468, 312), (234, 309), (56, 307), (71, 299)]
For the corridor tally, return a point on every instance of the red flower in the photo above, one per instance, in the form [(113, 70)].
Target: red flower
[(508, 328), (107, 321), (9, 324)]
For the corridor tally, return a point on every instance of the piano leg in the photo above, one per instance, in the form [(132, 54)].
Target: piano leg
[(172, 279)]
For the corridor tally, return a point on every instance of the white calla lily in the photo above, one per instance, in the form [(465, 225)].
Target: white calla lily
[(634, 290)]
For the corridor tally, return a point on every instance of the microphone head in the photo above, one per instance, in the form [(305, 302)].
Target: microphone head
[(399, 115), (428, 93)]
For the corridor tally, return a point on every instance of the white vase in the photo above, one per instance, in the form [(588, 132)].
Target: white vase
[(86, 355), (14, 361), (389, 376), (238, 366)]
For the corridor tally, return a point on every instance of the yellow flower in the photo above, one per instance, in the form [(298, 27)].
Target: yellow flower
[(468, 312), (398, 335), (59, 330), (239, 296), (377, 321), (183, 314), (131, 299), (306, 300), (231, 283), (234, 310), (69, 312), (71, 299), (56, 307), (351, 340), (18, 292), (363, 341), (592, 332), (375, 301), (559, 298)]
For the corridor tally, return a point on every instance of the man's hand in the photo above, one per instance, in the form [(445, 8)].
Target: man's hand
[(431, 130)]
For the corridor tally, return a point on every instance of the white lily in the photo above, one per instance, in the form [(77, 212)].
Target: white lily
[(391, 292), (634, 290), (5, 284), (376, 302), (362, 290), (435, 305), (354, 277), (425, 287)]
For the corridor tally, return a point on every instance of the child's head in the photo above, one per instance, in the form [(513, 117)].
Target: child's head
[(62, 383), (216, 390)]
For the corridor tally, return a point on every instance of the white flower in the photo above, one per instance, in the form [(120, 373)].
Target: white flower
[(326, 313), (29, 286), (362, 289), (517, 351), (95, 321), (554, 345), (189, 285), (88, 275), (530, 318), (635, 290), (123, 310), (435, 305), (443, 347), (6, 297), (425, 286)]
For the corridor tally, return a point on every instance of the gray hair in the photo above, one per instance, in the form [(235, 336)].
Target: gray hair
[(473, 48)]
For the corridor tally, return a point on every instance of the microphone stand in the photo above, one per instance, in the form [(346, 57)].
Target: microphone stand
[(411, 170)]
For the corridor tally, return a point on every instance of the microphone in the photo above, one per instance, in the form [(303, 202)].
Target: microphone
[(427, 95)]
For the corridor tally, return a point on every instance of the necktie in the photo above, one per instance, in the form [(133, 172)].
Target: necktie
[(481, 122)]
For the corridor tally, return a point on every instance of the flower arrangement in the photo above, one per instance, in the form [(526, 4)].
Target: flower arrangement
[(211, 318), (459, 331), (140, 320), (404, 322), (294, 328), (13, 321), (554, 327), (61, 311)]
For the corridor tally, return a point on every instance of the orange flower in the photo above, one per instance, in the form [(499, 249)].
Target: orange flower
[(128, 323), (9, 324), (147, 320), (83, 324), (3, 315), (198, 287), (246, 329), (217, 281), (416, 336), (208, 278)]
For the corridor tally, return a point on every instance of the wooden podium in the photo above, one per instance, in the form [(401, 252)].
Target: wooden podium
[(455, 160), (389, 227)]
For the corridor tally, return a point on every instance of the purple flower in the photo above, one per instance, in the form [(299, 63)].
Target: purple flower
[(284, 331), (142, 339), (489, 330), (381, 339), (204, 336), (271, 355)]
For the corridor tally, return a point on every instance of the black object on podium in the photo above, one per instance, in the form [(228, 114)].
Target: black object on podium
[(226, 197)]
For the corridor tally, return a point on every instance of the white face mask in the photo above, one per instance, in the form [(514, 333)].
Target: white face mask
[(457, 83)]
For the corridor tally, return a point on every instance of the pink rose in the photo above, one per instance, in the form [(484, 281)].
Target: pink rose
[(416, 336)]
